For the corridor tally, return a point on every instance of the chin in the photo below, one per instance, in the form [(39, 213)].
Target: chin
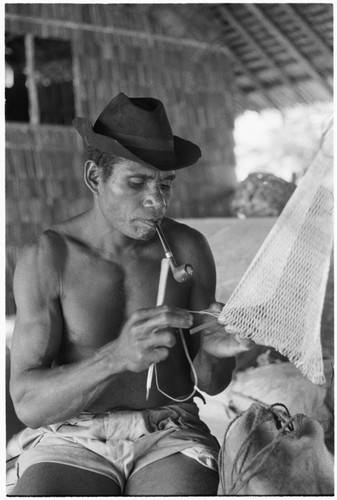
[(146, 236), (143, 235)]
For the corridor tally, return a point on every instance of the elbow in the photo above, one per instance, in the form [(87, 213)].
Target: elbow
[(27, 417), (219, 378), (217, 388), (25, 410), (214, 387)]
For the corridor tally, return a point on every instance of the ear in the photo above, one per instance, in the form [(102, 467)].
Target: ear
[(91, 176)]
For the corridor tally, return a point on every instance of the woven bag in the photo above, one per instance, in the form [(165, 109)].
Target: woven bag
[(268, 452)]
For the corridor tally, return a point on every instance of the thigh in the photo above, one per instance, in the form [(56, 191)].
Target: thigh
[(174, 475), (51, 479)]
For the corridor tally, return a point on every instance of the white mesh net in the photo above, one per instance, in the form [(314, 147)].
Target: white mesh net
[(279, 300)]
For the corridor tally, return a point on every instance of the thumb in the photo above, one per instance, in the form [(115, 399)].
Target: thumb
[(216, 307), (247, 344), (232, 329)]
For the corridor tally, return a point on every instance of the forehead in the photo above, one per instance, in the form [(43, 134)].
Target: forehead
[(128, 168)]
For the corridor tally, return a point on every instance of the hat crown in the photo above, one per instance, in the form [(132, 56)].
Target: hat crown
[(134, 116), (137, 129)]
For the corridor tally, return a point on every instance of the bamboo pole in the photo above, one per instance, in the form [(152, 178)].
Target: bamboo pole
[(31, 84)]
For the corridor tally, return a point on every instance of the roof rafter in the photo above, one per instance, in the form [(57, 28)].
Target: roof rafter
[(76, 25), (272, 28), (308, 30), (253, 79), (243, 32), (209, 24)]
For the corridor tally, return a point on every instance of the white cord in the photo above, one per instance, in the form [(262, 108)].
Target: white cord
[(153, 368), (195, 388), (215, 314)]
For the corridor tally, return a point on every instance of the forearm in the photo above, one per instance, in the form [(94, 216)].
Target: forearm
[(214, 374), (43, 396)]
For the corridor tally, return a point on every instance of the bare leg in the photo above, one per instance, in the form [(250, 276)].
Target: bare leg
[(174, 475), (50, 479)]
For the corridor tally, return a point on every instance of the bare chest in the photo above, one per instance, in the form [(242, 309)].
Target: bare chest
[(99, 295)]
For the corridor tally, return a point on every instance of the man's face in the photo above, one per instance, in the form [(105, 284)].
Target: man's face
[(135, 198)]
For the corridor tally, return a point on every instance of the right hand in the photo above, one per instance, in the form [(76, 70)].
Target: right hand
[(147, 336), (222, 341)]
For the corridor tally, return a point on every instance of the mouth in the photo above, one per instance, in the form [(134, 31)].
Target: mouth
[(153, 223)]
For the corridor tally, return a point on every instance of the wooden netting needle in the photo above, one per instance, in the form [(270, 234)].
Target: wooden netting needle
[(164, 269)]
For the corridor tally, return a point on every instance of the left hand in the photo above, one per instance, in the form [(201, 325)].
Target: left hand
[(220, 342)]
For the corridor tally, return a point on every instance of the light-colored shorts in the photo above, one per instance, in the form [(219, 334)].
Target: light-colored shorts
[(117, 444)]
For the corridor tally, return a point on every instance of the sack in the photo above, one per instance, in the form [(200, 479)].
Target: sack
[(268, 452)]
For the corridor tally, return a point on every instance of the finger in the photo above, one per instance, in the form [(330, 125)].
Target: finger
[(161, 339), (167, 318), (164, 314), (148, 312), (213, 327), (209, 326), (234, 330), (159, 354)]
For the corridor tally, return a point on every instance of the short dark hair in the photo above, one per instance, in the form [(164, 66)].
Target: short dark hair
[(104, 161)]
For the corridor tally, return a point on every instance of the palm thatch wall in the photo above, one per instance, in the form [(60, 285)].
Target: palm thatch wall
[(116, 48)]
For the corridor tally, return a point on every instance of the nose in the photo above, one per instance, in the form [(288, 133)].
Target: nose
[(155, 198)]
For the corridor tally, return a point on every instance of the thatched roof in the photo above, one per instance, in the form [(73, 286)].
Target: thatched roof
[(282, 53)]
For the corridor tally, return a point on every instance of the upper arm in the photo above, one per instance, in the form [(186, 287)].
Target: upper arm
[(203, 283), (194, 249), (38, 327)]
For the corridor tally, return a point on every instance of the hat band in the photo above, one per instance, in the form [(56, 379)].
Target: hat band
[(133, 141)]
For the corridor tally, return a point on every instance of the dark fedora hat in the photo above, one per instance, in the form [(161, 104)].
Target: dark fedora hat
[(137, 128)]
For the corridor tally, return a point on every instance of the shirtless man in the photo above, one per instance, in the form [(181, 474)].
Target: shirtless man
[(87, 328)]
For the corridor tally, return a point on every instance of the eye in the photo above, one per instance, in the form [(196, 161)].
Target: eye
[(136, 181), (165, 184)]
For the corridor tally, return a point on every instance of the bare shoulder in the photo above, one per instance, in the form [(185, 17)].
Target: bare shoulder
[(185, 238), (47, 247), (40, 260), (50, 248)]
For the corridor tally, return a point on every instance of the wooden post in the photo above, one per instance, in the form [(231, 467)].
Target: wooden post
[(34, 118)]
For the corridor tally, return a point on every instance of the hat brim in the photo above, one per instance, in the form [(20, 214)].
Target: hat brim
[(184, 153)]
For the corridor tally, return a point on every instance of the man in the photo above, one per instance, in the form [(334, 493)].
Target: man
[(87, 328)]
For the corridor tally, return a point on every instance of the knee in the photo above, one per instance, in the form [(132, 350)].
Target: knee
[(36, 481)]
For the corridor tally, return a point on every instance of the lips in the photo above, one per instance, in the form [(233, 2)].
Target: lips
[(151, 222)]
